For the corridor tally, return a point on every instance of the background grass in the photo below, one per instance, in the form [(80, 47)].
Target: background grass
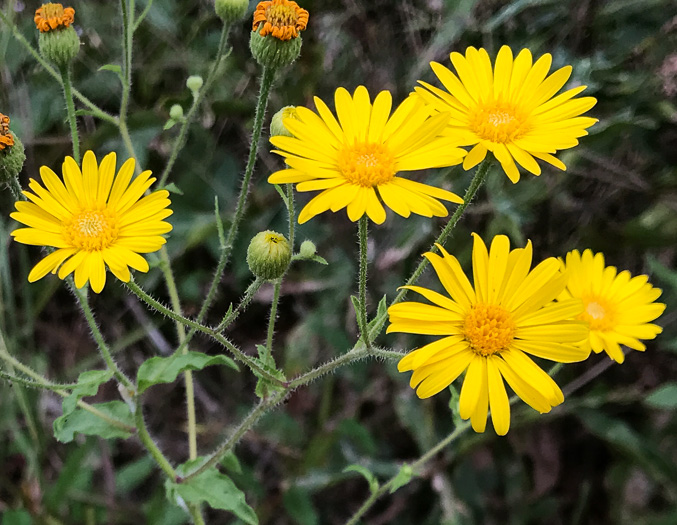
[(606, 456)]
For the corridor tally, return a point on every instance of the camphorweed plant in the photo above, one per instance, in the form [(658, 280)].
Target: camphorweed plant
[(101, 217)]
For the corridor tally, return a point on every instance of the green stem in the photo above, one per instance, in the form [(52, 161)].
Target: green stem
[(54, 387), (239, 355), (95, 110), (196, 514), (262, 103), (181, 333), (273, 316), (150, 445), (231, 441), (362, 313), (244, 302), (358, 352), (81, 296), (127, 38), (475, 184), (10, 359), (142, 16), (292, 214), (70, 109), (180, 140), (430, 454)]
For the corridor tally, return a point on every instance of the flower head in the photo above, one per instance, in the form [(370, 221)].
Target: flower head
[(94, 218), (49, 17), (282, 19), (6, 138), (355, 160), (618, 307), (12, 154), (511, 109), (268, 255), (489, 329)]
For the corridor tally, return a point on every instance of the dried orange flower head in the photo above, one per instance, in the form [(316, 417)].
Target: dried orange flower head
[(283, 19), (6, 139), (53, 16)]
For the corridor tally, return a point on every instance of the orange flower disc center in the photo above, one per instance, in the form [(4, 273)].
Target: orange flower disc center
[(6, 139), (283, 19), (599, 313), (92, 230), (366, 164), (499, 122), (51, 16), (489, 329)]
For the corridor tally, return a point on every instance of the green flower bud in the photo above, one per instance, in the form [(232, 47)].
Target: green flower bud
[(176, 112), (60, 46), (273, 53), (277, 122), (194, 83), (11, 160), (268, 255), (231, 10), (307, 249), (12, 155)]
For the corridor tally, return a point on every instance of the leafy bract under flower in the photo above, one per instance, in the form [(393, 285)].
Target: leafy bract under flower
[(355, 160), (94, 218), (618, 307), (511, 109), (489, 328)]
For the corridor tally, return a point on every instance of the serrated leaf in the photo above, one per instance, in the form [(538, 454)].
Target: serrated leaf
[(158, 370), (82, 422), (664, 397), (172, 188), (366, 473), (213, 488), (87, 385), (403, 478)]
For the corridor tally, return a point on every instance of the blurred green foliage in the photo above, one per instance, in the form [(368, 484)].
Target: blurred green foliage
[(606, 456)]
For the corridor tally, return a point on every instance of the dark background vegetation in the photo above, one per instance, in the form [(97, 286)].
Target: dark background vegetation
[(606, 456)]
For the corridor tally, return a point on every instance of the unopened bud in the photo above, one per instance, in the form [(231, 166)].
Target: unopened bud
[(231, 10), (176, 112), (268, 255), (194, 83), (277, 122), (307, 249)]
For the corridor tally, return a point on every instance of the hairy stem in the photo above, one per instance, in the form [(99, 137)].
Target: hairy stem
[(104, 350), (70, 110), (362, 310), (237, 353), (180, 140)]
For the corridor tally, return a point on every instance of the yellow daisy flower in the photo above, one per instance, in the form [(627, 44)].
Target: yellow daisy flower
[(618, 307), (355, 160), (489, 329), (97, 219), (511, 109)]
